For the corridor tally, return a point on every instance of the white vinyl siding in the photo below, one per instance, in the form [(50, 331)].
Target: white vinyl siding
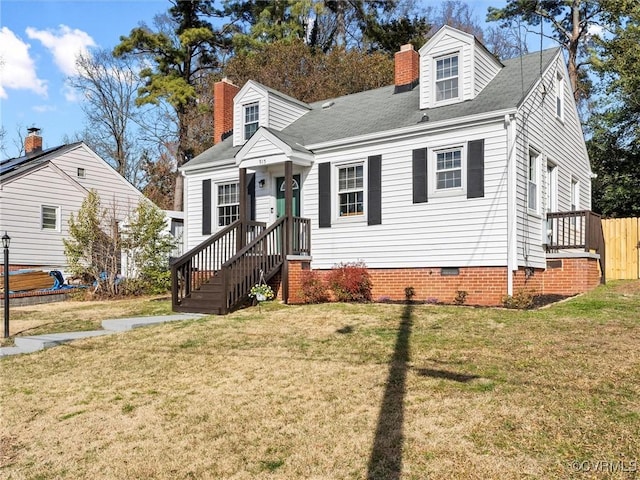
[(56, 184), (485, 69), (247, 96), (562, 142), (448, 44), (274, 111), (116, 193), (283, 113), (447, 230)]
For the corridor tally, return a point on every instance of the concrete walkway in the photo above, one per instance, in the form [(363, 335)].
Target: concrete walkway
[(35, 343)]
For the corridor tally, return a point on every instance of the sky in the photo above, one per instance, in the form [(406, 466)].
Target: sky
[(39, 41)]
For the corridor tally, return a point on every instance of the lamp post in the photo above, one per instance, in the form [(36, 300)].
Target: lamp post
[(6, 241)]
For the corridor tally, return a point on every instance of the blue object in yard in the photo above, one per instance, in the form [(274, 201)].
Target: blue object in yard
[(104, 278), (58, 283)]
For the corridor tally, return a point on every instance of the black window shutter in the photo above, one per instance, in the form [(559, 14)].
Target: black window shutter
[(251, 195), (324, 195), (206, 207), (475, 169), (374, 189), (420, 175)]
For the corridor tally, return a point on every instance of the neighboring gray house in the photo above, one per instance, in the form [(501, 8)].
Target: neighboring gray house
[(40, 190), (448, 181)]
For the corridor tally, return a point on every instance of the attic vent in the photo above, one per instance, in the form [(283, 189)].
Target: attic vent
[(328, 104)]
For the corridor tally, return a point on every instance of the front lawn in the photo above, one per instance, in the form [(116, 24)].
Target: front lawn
[(338, 391), (75, 315)]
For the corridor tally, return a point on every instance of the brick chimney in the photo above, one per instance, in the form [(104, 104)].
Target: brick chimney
[(407, 68), (223, 93), (33, 142)]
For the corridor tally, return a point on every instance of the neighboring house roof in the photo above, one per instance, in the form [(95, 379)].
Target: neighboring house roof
[(13, 167), (380, 110)]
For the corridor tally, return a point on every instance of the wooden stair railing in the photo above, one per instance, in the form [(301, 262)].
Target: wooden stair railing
[(197, 266), (264, 254), (224, 285)]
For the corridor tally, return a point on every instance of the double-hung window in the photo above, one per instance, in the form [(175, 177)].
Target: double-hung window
[(251, 119), (50, 218), (532, 180), (228, 204), (447, 78), (351, 190), (449, 169)]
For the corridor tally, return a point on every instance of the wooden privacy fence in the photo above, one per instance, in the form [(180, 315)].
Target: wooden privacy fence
[(622, 238)]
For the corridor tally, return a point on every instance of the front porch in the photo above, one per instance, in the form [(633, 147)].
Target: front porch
[(217, 275)]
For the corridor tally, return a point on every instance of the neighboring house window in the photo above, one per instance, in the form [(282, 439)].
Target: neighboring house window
[(351, 190), (228, 204), (82, 173), (449, 169), (447, 78), (575, 195), (251, 120), (532, 180), (560, 97), (50, 217)]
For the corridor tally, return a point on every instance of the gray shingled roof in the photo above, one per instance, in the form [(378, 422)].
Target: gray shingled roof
[(13, 167), (378, 110)]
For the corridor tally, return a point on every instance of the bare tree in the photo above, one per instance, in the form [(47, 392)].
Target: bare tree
[(109, 86)]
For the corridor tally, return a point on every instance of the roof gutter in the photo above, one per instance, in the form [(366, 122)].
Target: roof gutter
[(419, 128)]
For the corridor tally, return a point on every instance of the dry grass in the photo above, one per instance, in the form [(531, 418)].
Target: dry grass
[(336, 392), (73, 316)]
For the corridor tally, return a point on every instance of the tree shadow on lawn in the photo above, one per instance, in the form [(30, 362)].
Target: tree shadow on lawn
[(385, 461)]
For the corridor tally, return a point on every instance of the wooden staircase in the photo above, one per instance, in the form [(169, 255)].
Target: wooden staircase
[(217, 275)]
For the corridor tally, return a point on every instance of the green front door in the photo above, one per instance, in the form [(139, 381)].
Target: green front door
[(280, 196)]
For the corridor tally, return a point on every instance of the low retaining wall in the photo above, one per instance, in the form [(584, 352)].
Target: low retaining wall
[(23, 299)]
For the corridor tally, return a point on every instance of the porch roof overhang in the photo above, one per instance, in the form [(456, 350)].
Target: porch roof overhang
[(270, 147)]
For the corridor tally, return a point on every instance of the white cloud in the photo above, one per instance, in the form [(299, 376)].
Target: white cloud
[(17, 68), (44, 108), (595, 30), (64, 44)]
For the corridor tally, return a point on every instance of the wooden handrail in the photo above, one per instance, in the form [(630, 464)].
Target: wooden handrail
[(195, 267), (579, 229), (238, 270)]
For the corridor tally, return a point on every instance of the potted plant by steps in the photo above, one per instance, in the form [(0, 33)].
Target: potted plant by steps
[(261, 292)]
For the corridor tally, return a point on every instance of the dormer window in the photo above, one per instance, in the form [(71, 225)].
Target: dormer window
[(447, 77), (251, 119)]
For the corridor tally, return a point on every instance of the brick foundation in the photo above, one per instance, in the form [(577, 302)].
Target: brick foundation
[(484, 285)]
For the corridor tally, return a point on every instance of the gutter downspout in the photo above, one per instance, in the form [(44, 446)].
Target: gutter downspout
[(512, 227)]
